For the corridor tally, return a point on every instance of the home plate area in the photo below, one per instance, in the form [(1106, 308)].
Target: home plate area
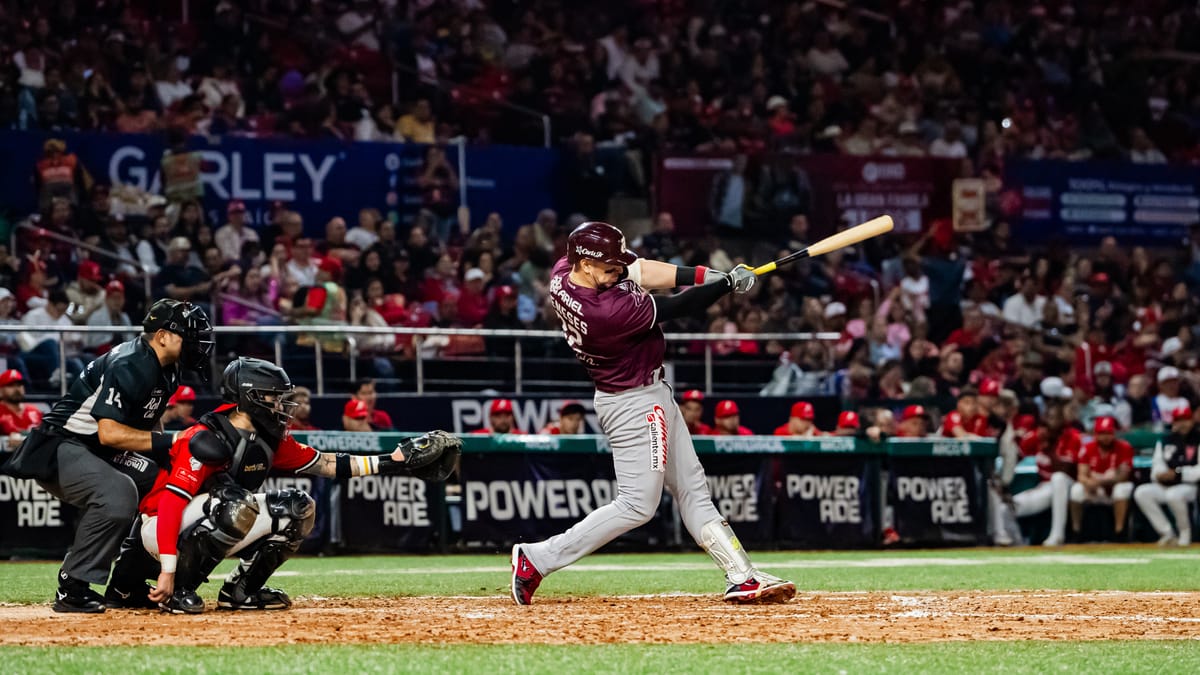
[(811, 617)]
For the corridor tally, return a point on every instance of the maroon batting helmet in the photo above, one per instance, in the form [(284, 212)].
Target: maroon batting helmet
[(600, 242)]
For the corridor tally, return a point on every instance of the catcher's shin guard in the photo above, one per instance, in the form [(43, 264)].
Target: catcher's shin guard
[(293, 513), (127, 586), (231, 513)]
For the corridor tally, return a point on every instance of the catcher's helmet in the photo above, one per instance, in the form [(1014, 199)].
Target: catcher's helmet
[(262, 390), (598, 241), (188, 322)]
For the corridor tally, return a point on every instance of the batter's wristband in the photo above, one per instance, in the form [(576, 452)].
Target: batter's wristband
[(160, 443)]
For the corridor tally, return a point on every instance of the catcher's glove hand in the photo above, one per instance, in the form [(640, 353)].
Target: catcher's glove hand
[(432, 456)]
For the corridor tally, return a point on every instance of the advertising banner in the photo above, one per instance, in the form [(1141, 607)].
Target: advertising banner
[(939, 500), (319, 179), (32, 520), (743, 488), (511, 497), (389, 514), (1149, 204), (914, 191), (827, 501)]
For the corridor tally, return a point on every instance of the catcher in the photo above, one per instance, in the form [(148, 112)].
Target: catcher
[(205, 505)]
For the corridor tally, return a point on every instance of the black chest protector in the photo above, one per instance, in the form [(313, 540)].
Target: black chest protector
[(253, 453)]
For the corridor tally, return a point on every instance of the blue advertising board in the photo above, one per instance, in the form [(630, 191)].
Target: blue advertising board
[(1085, 201), (319, 179)]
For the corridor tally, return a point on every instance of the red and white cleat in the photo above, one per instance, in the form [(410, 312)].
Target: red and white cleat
[(525, 577), (761, 588)]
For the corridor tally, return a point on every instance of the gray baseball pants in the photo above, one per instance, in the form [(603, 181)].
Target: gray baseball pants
[(651, 448)]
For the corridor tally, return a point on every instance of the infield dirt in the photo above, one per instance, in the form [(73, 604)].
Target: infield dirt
[(811, 617)]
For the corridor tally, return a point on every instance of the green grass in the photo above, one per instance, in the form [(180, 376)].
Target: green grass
[(955, 657), (1076, 568)]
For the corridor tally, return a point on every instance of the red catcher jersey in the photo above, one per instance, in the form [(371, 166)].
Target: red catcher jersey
[(19, 421), (186, 476), (1099, 461)]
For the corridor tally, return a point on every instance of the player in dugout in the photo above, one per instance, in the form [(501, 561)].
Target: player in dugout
[(207, 503), (727, 420), (691, 405), (570, 420), (800, 422)]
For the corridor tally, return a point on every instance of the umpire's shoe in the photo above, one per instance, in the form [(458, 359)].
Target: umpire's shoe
[(525, 577), (76, 596), (233, 597), (138, 598), (183, 601)]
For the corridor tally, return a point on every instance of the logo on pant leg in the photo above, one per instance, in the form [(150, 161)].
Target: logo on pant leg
[(656, 425)]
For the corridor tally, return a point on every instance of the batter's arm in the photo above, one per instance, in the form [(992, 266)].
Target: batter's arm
[(655, 275), (690, 302)]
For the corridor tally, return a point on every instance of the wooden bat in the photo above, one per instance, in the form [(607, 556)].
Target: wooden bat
[(862, 232)]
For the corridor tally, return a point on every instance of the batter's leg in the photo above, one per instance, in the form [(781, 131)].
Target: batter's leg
[(622, 417)]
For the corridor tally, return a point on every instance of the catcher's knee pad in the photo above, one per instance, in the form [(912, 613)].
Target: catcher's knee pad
[(231, 514), (293, 514)]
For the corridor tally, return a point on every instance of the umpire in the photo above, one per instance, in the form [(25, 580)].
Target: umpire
[(96, 448)]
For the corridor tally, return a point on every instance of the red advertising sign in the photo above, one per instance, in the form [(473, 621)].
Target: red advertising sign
[(914, 191)]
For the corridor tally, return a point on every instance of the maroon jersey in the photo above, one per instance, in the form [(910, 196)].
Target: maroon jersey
[(612, 332)]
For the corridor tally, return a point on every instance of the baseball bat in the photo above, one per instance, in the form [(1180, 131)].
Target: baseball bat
[(861, 232)]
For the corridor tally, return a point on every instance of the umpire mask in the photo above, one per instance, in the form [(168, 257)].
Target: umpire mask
[(263, 391), (189, 322)]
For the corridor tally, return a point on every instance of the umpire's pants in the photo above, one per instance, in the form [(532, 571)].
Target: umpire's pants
[(106, 492)]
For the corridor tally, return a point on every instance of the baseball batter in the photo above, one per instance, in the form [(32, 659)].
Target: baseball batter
[(599, 292)]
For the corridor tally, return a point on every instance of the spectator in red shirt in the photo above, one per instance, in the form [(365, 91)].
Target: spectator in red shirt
[(356, 416), (180, 407), (379, 420), (302, 418), (914, 422), (473, 302), (500, 419), (692, 407), (727, 421), (16, 416), (800, 423), (570, 420), (847, 424), (1105, 476)]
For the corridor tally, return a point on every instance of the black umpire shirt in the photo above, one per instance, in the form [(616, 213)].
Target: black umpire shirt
[(126, 385)]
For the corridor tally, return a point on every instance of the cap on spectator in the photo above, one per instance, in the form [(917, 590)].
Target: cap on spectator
[(331, 266), (834, 309), (776, 102), (912, 412), (572, 408), (693, 395), (1106, 425), (803, 410), (909, 127), (505, 292), (90, 270), (1025, 423), (356, 409), (989, 387), (1168, 373), (179, 244), (726, 409), (5, 293), (1183, 411), (848, 419), (1171, 346), (236, 206), (1099, 278), (1054, 388), (184, 394), (474, 274), (114, 287), (501, 405), (1102, 368), (10, 377)]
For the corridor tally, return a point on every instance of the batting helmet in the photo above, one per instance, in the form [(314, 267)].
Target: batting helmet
[(598, 241)]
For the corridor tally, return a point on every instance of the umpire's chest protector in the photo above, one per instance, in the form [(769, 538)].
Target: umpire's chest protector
[(253, 453)]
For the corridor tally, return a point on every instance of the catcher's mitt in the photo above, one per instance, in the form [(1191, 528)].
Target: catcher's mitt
[(432, 456)]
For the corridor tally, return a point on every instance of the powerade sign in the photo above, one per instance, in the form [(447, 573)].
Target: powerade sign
[(939, 499), (828, 502), (32, 519), (1086, 201), (319, 179)]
